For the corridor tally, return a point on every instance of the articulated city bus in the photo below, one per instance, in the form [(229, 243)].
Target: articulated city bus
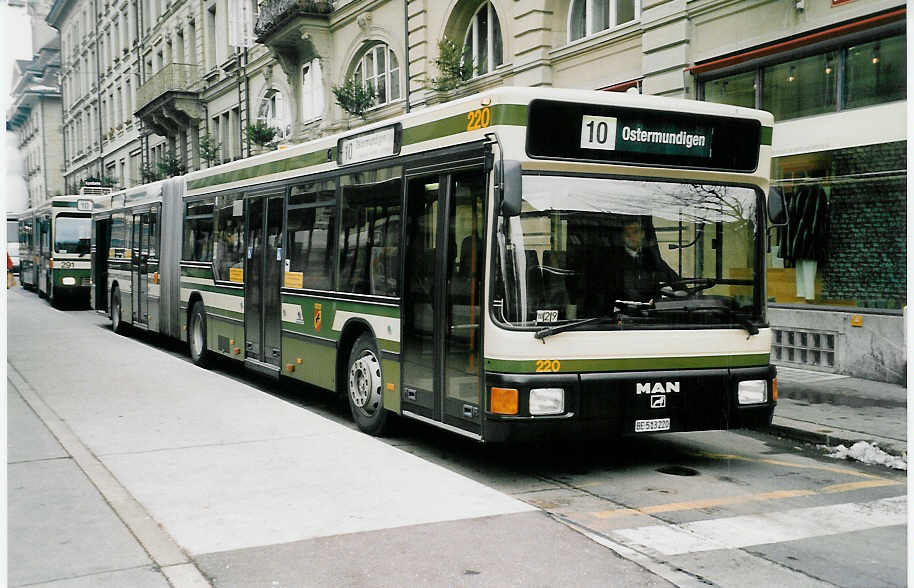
[(509, 265), (54, 243)]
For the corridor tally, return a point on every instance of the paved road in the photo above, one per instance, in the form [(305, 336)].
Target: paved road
[(129, 466)]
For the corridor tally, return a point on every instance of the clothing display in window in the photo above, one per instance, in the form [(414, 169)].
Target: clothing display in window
[(804, 240)]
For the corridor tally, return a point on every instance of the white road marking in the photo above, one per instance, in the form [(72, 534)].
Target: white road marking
[(773, 527)]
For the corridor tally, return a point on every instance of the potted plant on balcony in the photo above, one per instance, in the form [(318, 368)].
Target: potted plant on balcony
[(261, 134), (171, 167), (353, 97)]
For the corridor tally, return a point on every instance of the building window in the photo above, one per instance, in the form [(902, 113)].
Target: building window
[(379, 70), (588, 17), (482, 44), (274, 112), (312, 91), (873, 73)]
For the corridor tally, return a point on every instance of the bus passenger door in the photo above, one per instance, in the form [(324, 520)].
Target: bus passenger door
[(101, 243), (139, 266), (262, 282), (44, 255), (442, 304)]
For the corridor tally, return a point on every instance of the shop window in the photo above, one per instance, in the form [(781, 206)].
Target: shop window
[(311, 226), (370, 232), (845, 243), (876, 72), (588, 17), (482, 44), (801, 87), (873, 73), (379, 70), (736, 90)]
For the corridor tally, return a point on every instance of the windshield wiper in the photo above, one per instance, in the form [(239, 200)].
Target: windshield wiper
[(543, 333), (707, 304)]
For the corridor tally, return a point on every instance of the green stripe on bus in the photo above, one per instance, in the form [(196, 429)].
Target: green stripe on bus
[(502, 114), (634, 364), (767, 132), (265, 169), (197, 272), (64, 204)]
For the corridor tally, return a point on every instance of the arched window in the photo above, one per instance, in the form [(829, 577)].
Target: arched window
[(379, 70), (312, 91), (482, 45), (274, 112), (588, 17)]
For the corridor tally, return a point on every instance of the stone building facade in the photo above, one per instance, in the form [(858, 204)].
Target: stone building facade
[(34, 115), (146, 82)]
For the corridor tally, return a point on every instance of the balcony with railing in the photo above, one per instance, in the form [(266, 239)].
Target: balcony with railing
[(274, 15), (169, 102), (182, 78)]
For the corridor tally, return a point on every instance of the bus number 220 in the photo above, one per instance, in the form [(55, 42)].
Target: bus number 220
[(479, 119), (548, 365)]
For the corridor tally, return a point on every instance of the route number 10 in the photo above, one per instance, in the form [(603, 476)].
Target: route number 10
[(598, 132)]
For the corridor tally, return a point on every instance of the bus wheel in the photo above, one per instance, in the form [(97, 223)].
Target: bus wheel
[(365, 384), (196, 335), (116, 324)]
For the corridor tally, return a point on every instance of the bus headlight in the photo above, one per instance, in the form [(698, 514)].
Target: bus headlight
[(68, 281), (547, 401), (752, 391)]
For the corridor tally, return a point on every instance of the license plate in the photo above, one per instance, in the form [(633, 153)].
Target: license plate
[(647, 425)]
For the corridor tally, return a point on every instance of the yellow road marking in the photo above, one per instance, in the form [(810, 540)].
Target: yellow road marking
[(858, 485), (702, 503), (871, 482)]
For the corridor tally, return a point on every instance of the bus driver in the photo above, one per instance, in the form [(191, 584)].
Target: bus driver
[(638, 268)]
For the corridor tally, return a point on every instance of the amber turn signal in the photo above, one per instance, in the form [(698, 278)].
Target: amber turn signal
[(774, 390), (503, 400)]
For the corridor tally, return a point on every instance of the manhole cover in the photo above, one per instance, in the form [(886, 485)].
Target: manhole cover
[(678, 471)]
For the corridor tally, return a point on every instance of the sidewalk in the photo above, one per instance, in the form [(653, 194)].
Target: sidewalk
[(830, 409)]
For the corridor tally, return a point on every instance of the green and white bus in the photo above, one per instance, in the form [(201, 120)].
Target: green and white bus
[(463, 265), (54, 241)]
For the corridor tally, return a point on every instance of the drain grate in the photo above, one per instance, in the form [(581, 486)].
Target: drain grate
[(677, 471)]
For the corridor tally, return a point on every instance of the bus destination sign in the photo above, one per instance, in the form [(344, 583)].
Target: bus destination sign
[(589, 132), (369, 145)]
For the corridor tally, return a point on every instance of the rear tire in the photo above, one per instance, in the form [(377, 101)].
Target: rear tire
[(117, 325), (365, 387), (196, 335)]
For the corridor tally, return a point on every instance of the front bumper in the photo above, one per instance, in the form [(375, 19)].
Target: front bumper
[(610, 404)]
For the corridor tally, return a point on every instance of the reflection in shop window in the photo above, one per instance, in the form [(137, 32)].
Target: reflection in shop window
[(736, 90)]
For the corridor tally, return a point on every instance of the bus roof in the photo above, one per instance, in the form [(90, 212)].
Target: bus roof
[(443, 125)]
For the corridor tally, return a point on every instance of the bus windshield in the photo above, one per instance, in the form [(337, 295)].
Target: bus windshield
[(72, 234), (637, 253)]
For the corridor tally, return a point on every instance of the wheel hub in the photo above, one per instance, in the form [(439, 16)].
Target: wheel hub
[(365, 382)]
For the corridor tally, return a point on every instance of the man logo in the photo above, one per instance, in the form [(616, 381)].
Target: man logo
[(658, 401), (656, 388)]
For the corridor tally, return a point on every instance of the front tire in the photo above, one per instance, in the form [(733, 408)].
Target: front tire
[(365, 387), (117, 325), (196, 336)]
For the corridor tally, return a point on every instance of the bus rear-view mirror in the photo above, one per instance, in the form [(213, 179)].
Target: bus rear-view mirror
[(508, 175)]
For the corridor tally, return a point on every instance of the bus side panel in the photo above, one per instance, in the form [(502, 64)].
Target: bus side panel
[(171, 319)]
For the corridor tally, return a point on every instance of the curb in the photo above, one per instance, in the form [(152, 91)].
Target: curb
[(816, 396), (830, 436)]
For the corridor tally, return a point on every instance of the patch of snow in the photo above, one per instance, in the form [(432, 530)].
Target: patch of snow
[(865, 452)]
